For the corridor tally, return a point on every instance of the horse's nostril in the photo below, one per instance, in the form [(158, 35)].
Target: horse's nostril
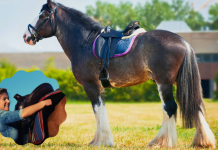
[(24, 36)]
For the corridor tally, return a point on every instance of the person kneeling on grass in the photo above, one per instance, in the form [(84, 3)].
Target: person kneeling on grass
[(8, 118)]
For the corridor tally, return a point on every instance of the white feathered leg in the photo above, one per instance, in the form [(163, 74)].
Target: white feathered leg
[(166, 137), (204, 137), (103, 135)]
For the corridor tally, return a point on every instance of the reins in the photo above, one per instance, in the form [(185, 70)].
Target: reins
[(35, 37)]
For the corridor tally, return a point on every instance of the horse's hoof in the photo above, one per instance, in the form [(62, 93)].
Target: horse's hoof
[(204, 145), (94, 144), (160, 142), (204, 137), (100, 143), (152, 145), (104, 140)]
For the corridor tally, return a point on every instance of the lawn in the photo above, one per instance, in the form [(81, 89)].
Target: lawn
[(133, 126)]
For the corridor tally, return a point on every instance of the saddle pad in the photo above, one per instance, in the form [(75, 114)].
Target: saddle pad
[(38, 134), (123, 46)]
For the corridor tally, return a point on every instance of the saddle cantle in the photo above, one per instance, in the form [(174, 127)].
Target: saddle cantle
[(45, 123), (106, 45)]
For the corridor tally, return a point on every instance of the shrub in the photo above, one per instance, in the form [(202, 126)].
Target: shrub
[(7, 69)]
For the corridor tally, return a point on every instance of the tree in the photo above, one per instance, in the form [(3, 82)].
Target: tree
[(7, 69), (110, 14), (150, 15), (183, 11), (195, 20), (119, 16), (180, 10), (213, 11), (49, 64)]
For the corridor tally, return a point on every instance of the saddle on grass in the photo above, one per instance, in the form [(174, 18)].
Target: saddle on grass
[(105, 47), (44, 123)]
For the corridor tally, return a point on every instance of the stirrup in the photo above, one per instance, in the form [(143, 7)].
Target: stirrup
[(103, 75)]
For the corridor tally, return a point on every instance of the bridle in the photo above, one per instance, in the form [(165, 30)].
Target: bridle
[(35, 37)]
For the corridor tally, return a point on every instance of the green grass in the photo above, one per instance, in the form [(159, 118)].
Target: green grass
[(133, 126)]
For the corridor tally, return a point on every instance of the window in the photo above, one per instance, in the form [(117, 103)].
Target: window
[(215, 58), (207, 58)]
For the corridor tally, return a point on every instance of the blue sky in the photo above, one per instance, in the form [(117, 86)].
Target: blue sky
[(17, 14), (24, 83)]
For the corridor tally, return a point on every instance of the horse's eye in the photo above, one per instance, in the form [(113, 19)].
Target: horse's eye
[(41, 14)]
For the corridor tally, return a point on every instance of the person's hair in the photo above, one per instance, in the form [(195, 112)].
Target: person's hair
[(3, 90)]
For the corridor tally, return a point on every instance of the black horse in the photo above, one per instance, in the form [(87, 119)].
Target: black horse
[(160, 55)]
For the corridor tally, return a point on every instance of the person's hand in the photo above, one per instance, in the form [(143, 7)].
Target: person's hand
[(48, 102)]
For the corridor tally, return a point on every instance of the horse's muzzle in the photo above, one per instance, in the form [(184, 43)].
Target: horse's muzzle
[(27, 39)]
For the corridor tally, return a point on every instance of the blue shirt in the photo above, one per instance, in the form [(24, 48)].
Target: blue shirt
[(7, 120)]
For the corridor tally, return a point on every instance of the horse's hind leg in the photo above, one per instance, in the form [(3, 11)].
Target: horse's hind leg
[(167, 134), (204, 137), (103, 135)]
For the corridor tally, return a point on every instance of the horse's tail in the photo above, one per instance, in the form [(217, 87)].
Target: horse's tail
[(189, 91)]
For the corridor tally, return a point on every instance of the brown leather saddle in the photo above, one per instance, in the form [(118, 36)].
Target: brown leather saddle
[(45, 123), (106, 45)]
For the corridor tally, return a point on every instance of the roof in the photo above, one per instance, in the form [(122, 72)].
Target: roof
[(174, 26)]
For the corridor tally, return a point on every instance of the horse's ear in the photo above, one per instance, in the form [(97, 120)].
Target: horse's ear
[(50, 1), (51, 4)]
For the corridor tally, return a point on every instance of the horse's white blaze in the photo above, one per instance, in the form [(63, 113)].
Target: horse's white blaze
[(204, 137), (166, 137), (103, 135)]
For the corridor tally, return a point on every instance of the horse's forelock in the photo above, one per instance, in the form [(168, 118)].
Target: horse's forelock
[(44, 7)]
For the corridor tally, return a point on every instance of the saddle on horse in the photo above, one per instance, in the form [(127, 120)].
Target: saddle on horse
[(45, 123), (106, 45)]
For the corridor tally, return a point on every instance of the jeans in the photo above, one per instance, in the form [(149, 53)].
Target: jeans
[(7, 120)]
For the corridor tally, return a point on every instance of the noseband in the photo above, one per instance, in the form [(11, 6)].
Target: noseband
[(35, 37)]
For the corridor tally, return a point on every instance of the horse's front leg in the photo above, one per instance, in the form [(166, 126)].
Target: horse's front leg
[(103, 135)]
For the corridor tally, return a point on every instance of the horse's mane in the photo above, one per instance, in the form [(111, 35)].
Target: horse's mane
[(81, 17)]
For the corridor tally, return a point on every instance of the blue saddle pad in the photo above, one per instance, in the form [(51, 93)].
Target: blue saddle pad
[(123, 46)]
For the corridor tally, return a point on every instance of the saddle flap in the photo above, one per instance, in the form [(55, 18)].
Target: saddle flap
[(100, 46)]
